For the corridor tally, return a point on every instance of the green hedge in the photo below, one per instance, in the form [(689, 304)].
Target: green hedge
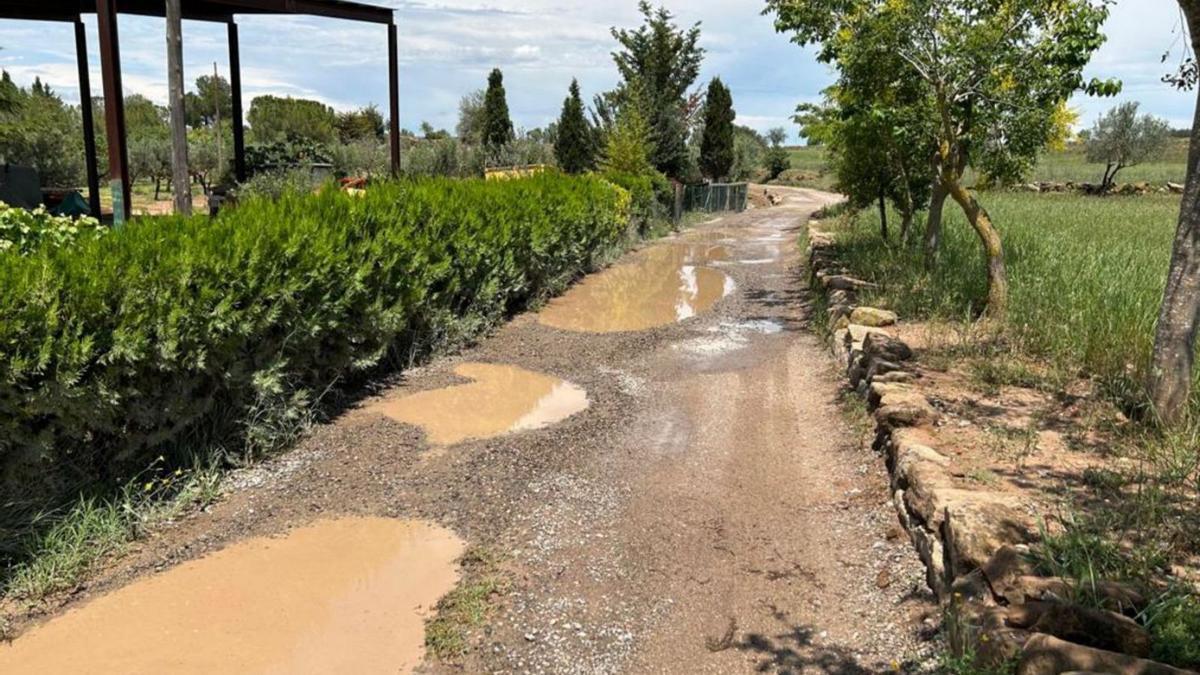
[(172, 331)]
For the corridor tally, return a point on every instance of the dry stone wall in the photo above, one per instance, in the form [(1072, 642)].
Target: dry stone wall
[(974, 542)]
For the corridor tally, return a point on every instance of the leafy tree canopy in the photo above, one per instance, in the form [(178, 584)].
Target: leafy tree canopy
[(658, 63), (275, 119), (1121, 139)]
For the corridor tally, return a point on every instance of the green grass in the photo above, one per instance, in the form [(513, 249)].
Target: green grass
[(62, 548), (1086, 278), (467, 607), (1072, 165), (1059, 166)]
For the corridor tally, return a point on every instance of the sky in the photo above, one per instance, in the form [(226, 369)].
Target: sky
[(447, 47)]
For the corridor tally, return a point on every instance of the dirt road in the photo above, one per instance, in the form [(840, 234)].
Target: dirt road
[(711, 510)]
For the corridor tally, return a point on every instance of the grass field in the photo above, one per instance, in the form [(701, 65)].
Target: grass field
[(1086, 276), (1061, 166)]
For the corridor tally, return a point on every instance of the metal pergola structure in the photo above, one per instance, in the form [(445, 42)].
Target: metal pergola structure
[(218, 11)]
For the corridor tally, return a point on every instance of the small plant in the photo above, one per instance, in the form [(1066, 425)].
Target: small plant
[(1174, 623), (466, 607), (24, 231)]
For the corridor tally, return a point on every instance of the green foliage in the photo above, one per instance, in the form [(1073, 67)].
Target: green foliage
[(470, 118), (364, 124), (497, 126), (574, 145), (178, 331), (629, 145), (749, 150), (650, 195), (42, 132), (1174, 624), (283, 154), (716, 145), (22, 232), (777, 160), (658, 62), (1086, 278), (1121, 139), (213, 98), (290, 120)]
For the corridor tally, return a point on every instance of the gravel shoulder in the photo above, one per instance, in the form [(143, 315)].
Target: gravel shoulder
[(713, 510)]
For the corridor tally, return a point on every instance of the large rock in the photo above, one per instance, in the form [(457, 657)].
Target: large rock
[(844, 282), (978, 524), (905, 410), (886, 347), (1082, 625), (873, 316), (1047, 655)]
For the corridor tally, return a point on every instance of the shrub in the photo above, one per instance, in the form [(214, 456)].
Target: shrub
[(650, 194), (176, 331), (23, 231)]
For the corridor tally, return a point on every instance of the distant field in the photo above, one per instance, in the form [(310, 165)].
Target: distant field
[(1063, 166)]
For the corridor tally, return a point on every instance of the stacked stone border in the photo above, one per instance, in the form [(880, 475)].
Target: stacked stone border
[(974, 543)]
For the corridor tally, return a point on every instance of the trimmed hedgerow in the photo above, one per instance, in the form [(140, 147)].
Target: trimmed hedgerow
[(173, 330)]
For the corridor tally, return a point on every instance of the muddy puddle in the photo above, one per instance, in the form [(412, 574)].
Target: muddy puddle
[(659, 286), (338, 596), (498, 400)]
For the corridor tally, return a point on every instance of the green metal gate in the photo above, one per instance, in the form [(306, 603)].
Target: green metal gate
[(712, 197)]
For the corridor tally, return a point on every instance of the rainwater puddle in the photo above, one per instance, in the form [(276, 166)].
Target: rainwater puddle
[(338, 596), (499, 400), (660, 286)]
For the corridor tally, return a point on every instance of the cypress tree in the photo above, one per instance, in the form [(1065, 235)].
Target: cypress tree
[(574, 147), (716, 147), (497, 127)]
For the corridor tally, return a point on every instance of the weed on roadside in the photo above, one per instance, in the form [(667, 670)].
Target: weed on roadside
[(467, 607), (68, 544)]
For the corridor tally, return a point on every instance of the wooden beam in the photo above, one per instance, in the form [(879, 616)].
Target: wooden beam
[(238, 123), (89, 128), (394, 97), (334, 9), (114, 110), (181, 183)]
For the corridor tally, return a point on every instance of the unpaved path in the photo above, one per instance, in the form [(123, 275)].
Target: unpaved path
[(711, 511)]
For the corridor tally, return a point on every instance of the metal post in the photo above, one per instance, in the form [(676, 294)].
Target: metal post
[(89, 128), (235, 86), (181, 183), (114, 109), (394, 97)]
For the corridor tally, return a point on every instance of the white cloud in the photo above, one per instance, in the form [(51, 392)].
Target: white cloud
[(447, 48)]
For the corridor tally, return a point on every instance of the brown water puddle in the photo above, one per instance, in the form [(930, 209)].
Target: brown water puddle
[(660, 286), (338, 596), (499, 400)]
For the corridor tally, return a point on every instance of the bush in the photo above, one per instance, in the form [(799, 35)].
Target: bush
[(23, 232), (176, 332), (651, 196)]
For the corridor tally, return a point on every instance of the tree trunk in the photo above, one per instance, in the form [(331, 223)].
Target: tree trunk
[(179, 158), (1179, 319), (157, 188), (883, 228), (933, 226), (993, 249)]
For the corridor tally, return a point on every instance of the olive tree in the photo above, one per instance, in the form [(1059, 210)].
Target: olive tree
[(1121, 139), (995, 74)]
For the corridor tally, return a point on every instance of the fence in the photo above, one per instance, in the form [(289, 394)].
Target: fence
[(716, 197)]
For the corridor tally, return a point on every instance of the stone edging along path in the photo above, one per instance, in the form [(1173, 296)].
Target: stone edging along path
[(974, 542)]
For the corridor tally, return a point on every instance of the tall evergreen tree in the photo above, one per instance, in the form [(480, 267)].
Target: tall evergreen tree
[(716, 146), (575, 143), (658, 62), (497, 127)]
